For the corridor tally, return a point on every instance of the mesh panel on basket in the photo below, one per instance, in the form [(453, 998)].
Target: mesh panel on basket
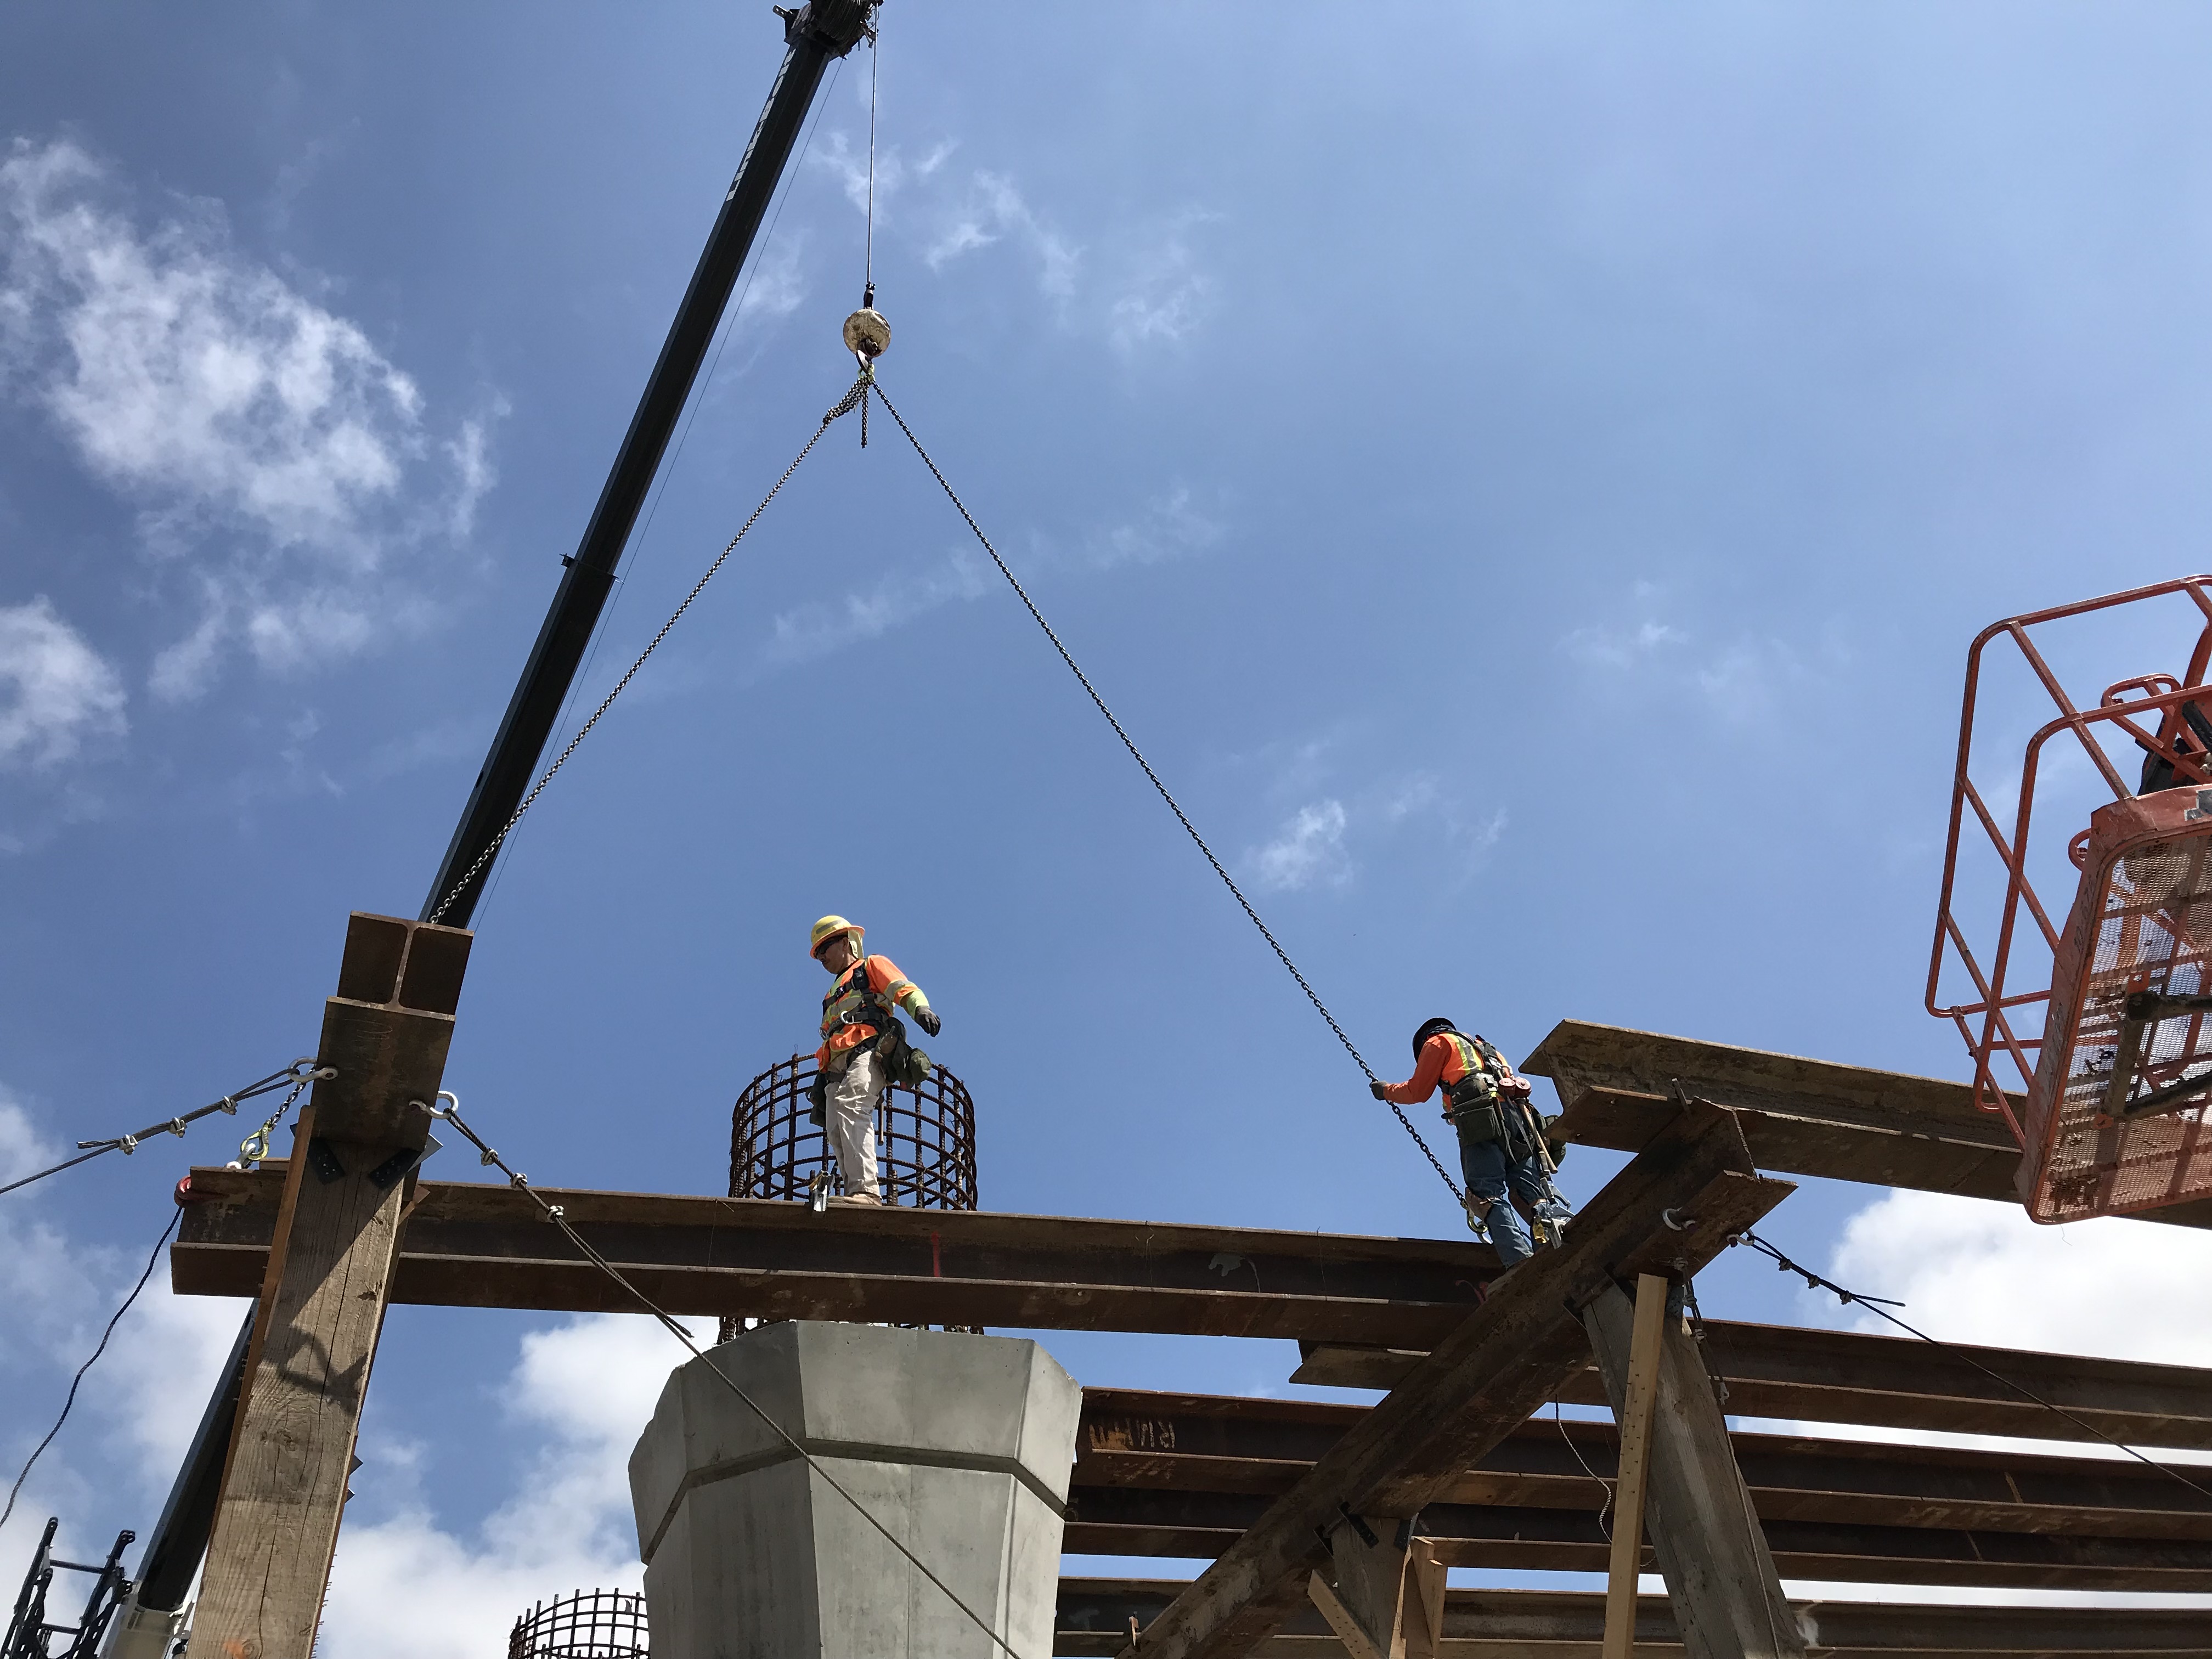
[(2153, 922), (587, 1624), (925, 1143)]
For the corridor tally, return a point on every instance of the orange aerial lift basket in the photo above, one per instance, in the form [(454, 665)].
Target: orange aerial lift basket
[(2100, 1016)]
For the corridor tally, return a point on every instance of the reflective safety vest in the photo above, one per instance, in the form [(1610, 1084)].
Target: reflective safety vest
[(852, 1001)]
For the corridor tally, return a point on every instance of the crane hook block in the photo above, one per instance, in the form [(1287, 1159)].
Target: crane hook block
[(867, 336)]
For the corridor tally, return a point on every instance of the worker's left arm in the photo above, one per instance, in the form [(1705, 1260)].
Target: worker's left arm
[(885, 980), (1427, 1073)]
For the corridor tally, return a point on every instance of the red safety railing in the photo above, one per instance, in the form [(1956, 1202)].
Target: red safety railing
[(2093, 1145)]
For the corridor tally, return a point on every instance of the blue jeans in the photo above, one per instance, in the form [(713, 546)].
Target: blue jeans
[(1490, 1177)]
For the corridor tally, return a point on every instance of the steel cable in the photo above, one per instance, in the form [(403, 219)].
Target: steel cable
[(1879, 1306), (1181, 817), (151, 1262), (299, 1072)]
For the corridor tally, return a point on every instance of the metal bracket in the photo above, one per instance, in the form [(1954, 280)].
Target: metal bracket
[(324, 1161)]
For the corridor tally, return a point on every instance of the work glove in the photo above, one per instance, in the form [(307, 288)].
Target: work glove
[(1380, 1090), (928, 1020), (817, 1098)]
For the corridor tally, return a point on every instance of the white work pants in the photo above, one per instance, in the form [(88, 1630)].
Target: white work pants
[(852, 1120)]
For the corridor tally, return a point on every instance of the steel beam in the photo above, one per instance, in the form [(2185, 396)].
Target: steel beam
[(1891, 1381), (1093, 1623), (1808, 1117), (486, 1246), (1138, 1439), (483, 1246)]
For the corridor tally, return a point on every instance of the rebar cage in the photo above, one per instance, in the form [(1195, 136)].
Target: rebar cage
[(595, 1624), (924, 1140), (2100, 1012), (925, 1144)]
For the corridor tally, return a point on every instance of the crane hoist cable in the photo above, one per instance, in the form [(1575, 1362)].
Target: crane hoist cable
[(1153, 777)]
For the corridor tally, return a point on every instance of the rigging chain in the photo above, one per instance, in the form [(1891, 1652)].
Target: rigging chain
[(1181, 817)]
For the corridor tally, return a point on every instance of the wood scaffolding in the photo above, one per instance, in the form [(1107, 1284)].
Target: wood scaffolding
[(1330, 1527)]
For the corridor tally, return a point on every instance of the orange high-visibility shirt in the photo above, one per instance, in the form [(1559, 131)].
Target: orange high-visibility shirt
[(1442, 1061)]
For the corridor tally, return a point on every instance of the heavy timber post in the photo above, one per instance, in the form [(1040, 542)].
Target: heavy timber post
[(1719, 1572), (325, 1287)]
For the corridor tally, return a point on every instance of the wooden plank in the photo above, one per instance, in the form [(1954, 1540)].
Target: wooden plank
[(1479, 1385), (1094, 1618), (324, 1285), (277, 1523), (1889, 1382), (1800, 1116), (1720, 1574), (1636, 1395)]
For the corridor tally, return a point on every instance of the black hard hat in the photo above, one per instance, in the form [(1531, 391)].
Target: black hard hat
[(1429, 1029)]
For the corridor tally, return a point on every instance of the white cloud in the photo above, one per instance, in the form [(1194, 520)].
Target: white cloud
[(1971, 1271), (994, 209), (1169, 526), (272, 450), (404, 1585), (1165, 295), (1601, 646), (820, 629), (56, 691), (1310, 850), (849, 162)]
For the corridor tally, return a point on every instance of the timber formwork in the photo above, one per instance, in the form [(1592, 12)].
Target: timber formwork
[(1462, 1459)]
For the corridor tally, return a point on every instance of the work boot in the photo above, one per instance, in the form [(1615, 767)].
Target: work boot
[(858, 1200)]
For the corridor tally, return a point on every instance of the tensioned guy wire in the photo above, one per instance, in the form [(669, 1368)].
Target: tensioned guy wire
[(1181, 817)]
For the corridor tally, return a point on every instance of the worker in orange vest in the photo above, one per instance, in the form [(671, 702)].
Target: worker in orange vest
[(858, 1010), (1502, 1151)]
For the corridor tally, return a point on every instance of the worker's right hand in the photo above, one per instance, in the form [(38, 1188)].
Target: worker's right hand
[(1380, 1090), (929, 1020)]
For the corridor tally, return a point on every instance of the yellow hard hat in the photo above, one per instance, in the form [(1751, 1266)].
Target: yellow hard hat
[(827, 928)]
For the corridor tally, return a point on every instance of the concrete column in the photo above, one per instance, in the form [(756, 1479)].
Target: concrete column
[(961, 1445)]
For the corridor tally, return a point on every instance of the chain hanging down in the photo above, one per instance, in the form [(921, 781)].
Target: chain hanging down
[(1181, 817)]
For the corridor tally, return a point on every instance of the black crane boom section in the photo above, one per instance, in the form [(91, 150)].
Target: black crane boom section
[(813, 35)]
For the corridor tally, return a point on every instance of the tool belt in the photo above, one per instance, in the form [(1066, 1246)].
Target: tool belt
[(1480, 1114)]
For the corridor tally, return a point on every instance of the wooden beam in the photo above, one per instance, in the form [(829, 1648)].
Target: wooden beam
[(1479, 1385), (323, 1290), (1714, 1557), (1634, 1380), (1802, 1116)]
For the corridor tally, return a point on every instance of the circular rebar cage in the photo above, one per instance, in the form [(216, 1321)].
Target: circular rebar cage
[(924, 1140), (585, 1624)]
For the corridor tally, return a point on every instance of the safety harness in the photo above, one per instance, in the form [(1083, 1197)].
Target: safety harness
[(851, 1000), (1475, 1107)]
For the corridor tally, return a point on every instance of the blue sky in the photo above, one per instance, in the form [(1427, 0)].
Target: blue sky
[(1528, 476)]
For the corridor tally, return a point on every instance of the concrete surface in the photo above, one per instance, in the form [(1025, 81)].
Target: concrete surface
[(960, 1445)]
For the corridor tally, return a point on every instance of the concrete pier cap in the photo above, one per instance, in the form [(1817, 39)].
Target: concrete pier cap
[(960, 1445)]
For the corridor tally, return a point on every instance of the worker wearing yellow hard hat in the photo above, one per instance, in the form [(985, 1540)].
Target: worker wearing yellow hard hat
[(859, 1024)]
